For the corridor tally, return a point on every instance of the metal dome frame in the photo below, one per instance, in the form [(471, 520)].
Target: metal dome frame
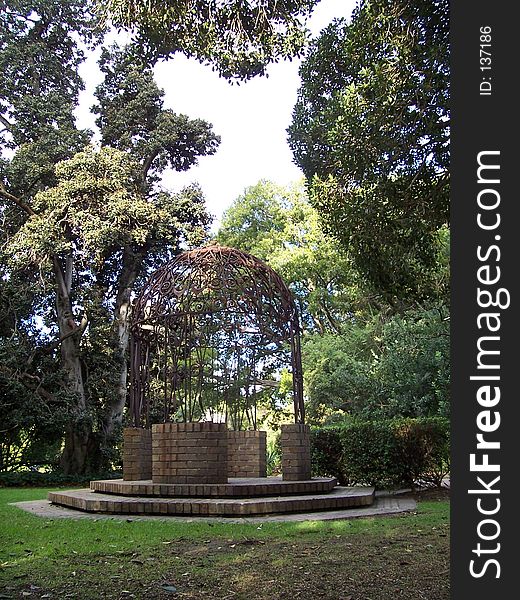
[(203, 329)]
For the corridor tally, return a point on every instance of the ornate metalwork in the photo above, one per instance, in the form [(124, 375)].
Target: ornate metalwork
[(210, 330)]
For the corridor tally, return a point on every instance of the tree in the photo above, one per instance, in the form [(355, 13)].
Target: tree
[(371, 132), (278, 225), (39, 87), (238, 38), (84, 224), (390, 366), (98, 228), (360, 356), (132, 118), (33, 408)]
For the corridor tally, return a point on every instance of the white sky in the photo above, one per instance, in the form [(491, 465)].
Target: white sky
[(250, 118)]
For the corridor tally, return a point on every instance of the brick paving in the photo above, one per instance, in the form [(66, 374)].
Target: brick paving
[(338, 498), (236, 487), (383, 505)]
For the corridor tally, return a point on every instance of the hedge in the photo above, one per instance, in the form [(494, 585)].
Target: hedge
[(53, 478), (386, 453)]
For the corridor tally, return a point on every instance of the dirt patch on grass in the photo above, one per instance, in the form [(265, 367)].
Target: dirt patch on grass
[(403, 557), (361, 567)]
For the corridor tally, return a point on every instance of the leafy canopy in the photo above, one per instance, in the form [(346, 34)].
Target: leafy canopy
[(238, 37), (396, 366), (95, 208), (278, 225), (132, 118), (371, 132), (39, 87)]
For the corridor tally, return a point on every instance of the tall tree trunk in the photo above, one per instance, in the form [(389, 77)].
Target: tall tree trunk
[(78, 433), (75, 451), (131, 265)]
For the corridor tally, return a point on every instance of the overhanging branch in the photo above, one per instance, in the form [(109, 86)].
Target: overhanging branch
[(19, 202), (6, 123)]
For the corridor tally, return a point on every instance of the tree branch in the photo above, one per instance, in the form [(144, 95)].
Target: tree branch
[(68, 272), (78, 331), (82, 325), (148, 163), (60, 277), (20, 203), (27, 378), (6, 123)]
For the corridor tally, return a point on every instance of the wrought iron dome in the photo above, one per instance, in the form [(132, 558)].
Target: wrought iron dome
[(210, 330)]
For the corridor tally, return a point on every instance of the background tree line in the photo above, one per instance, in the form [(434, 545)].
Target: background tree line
[(362, 355), (364, 245)]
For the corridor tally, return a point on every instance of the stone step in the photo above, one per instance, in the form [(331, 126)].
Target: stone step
[(87, 500), (246, 487)]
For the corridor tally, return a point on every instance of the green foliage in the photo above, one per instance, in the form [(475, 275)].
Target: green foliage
[(384, 453), (274, 456), (358, 357), (52, 478), (132, 118), (278, 225), (384, 368), (237, 38), (372, 455), (95, 208), (33, 404), (33, 407), (371, 132), (82, 225), (39, 86), (327, 453)]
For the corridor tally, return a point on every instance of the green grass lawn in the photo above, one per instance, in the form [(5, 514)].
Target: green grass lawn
[(363, 559)]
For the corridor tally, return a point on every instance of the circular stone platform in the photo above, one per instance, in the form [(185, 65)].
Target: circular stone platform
[(382, 506), (90, 501), (243, 487)]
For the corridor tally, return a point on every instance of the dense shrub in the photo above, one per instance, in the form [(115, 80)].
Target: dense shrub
[(327, 452), (384, 453), (53, 478), (371, 454), (388, 367)]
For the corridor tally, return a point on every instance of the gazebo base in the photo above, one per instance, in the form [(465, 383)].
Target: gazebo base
[(243, 487), (97, 502)]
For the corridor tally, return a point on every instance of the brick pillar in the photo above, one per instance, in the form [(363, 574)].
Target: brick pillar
[(189, 453), (137, 454), (247, 453), (296, 452)]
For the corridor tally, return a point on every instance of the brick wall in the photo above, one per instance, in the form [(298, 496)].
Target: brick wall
[(189, 453), (296, 452), (247, 453), (137, 454)]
